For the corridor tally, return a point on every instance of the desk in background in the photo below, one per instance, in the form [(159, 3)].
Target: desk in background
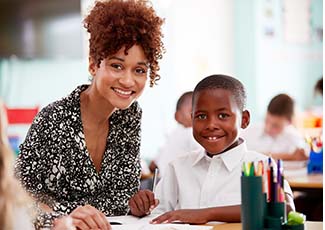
[(237, 226), (307, 188), (299, 179)]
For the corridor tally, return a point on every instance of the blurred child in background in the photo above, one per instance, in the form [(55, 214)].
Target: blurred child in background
[(180, 141), (14, 203), (277, 137)]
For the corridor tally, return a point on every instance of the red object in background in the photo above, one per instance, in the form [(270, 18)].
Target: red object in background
[(21, 115)]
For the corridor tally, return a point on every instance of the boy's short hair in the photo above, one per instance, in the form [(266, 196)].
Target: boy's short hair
[(225, 82), (281, 105), (181, 101)]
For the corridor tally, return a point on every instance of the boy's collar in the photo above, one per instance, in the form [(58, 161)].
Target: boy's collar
[(230, 158)]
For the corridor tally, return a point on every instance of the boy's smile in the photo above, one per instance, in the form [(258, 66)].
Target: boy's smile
[(217, 120)]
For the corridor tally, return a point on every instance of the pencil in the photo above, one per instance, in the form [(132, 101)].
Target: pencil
[(155, 179)]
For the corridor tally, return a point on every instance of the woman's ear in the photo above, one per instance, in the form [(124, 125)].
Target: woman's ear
[(92, 67), (245, 119)]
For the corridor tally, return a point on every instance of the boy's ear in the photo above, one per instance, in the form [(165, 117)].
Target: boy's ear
[(177, 116), (245, 119)]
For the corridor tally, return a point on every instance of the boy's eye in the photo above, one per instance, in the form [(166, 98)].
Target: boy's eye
[(223, 115), (201, 116), (117, 66)]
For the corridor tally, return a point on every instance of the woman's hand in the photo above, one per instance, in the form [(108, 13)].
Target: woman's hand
[(142, 203), (63, 223), (192, 216), (83, 218)]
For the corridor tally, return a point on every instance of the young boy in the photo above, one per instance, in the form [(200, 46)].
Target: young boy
[(205, 186), (180, 141), (277, 137)]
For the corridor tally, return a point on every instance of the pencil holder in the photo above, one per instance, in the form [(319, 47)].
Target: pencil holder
[(274, 223), (276, 209), (275, 215), (253, 203), (294, 227)]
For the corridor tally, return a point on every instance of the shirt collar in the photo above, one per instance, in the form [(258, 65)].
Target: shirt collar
[(231, 158)]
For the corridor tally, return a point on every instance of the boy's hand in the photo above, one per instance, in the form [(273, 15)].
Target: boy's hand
[(142, 203), (192, 216)]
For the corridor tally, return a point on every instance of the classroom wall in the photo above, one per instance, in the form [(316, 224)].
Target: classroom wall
[(214, 36), (278, 52)]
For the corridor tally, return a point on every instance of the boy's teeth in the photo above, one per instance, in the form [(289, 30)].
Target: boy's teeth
[(123, 92), (212, 138)]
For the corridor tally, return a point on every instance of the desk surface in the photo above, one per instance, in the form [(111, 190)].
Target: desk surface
[(298, 178), (237, 226)]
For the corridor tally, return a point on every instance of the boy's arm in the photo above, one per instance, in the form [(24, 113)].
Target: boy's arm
[(167, 191), (288, 197), (201, 216)]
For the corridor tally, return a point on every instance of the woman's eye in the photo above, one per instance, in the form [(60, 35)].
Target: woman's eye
[(140, 71), (117, 66)]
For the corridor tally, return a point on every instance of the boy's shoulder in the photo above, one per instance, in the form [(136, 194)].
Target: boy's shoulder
[(191, 158), (254, 156)]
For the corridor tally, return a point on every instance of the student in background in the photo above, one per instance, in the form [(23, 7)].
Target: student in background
[(319, 87), (81, 153), (205, 186), (15, 213), (18, 210), (277, 137), (316, 109), (180, 141)]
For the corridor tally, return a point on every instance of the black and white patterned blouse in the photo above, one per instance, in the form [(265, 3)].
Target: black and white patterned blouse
[(55, 167)]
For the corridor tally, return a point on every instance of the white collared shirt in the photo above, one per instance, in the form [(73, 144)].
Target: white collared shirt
[(198, 181)]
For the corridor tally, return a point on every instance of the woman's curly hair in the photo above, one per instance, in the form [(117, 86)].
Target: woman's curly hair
[(114, 24)]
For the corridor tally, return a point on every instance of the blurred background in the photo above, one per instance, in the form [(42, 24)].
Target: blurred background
[(272, 46)]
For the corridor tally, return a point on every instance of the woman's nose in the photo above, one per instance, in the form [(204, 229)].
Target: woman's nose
[(127, 80)]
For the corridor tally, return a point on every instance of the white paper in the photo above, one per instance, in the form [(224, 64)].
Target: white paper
[(134, 223)]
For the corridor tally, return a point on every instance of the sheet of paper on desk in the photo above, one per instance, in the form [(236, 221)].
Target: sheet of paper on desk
[(292, 165), (134, 223), (160, 227)]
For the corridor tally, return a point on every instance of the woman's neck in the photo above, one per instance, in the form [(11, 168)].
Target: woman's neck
[(94, 106)]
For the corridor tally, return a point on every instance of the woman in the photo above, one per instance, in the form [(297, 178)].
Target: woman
[(81, 154)]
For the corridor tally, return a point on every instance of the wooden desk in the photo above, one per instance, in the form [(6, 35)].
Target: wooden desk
[(237, 226), (299, 179), (312, 181)]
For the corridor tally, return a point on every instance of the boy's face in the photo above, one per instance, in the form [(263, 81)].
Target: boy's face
[(274, 125), (217, 120)]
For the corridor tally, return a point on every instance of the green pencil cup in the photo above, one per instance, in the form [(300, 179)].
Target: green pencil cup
[(276, 209), (253, 203), (275, 215), (274, 223), (294, 227)]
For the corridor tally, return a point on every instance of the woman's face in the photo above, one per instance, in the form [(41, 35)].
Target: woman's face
[(121, 78)]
